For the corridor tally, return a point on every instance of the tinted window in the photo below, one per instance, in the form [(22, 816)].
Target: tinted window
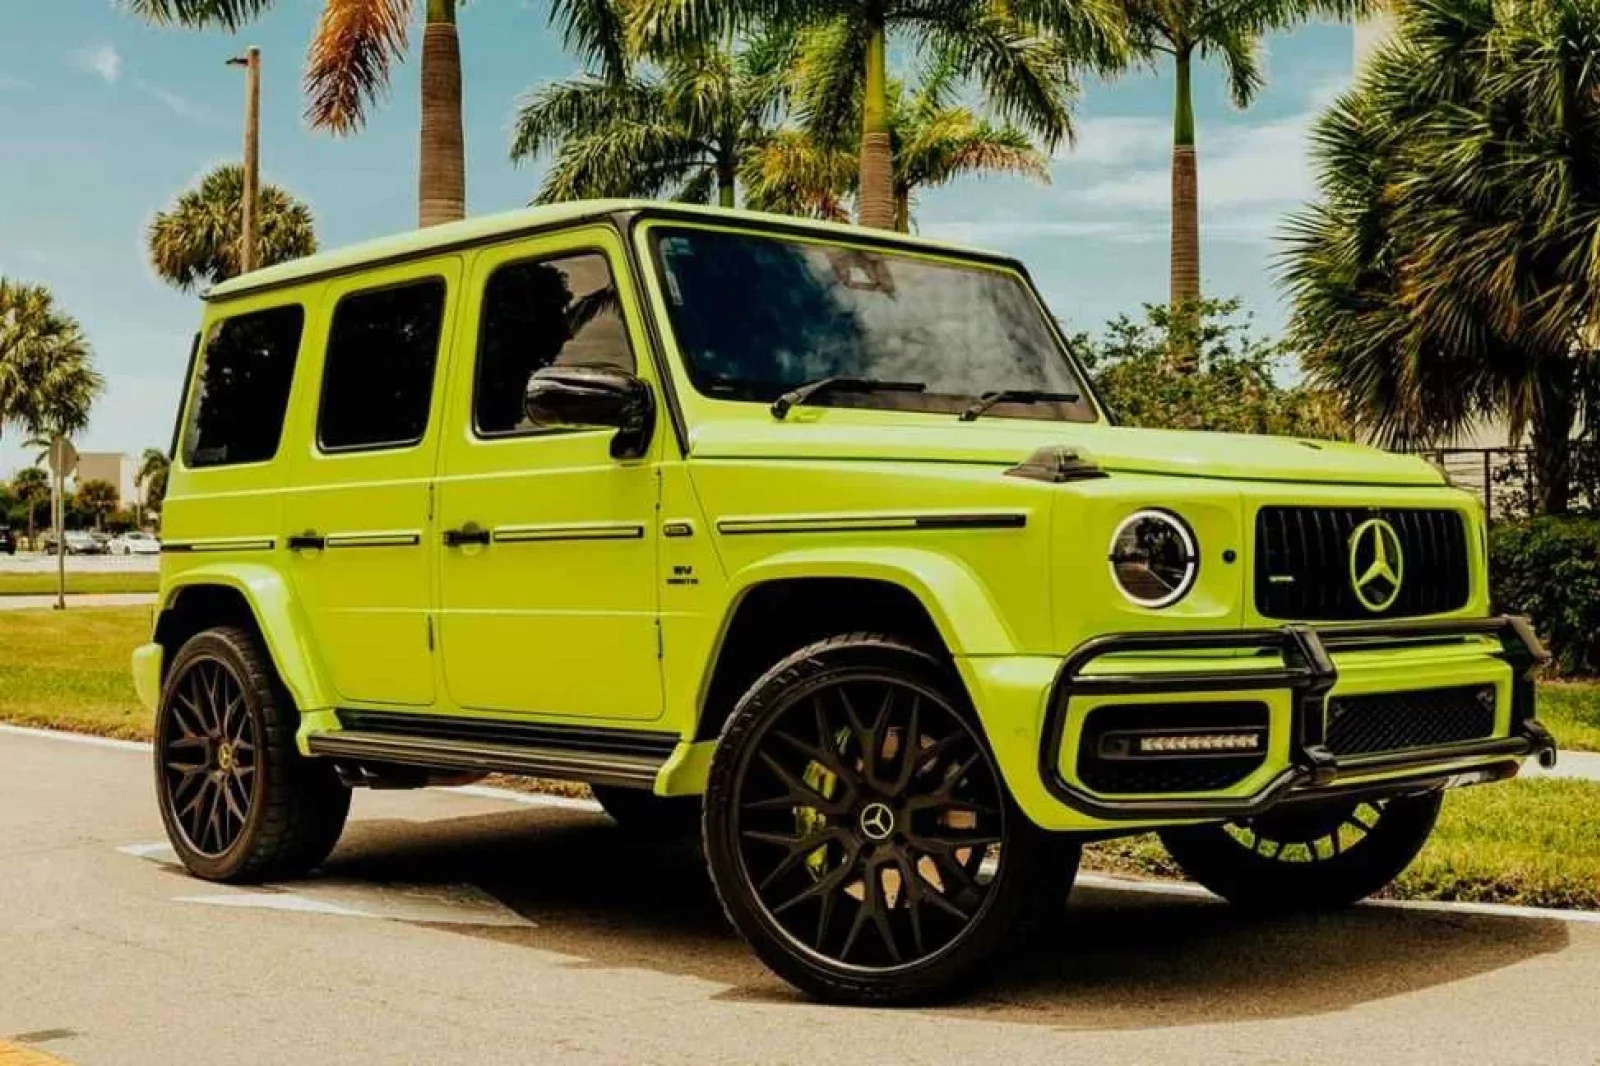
[(243, 388), (554, 312), (756, 315), (377, 380)]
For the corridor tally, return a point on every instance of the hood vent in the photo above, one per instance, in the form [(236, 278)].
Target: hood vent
[(1057, 464)]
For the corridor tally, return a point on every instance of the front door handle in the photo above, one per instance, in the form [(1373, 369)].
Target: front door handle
[(308, 541), (470, 533)]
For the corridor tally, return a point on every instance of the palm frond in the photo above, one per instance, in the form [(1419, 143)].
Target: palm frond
[(195, 242), (597, 32), (352, 53), (229, 15), (558, 110)]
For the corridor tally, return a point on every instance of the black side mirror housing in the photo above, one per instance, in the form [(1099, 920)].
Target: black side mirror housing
[(590, 396)]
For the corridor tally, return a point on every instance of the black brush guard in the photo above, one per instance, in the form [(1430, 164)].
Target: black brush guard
[(1308, 671)]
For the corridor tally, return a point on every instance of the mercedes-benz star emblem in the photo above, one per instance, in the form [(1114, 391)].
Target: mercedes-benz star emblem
[(1377, 564), (877, 821)]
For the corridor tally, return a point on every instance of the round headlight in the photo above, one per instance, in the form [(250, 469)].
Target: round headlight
[(1153, 558)]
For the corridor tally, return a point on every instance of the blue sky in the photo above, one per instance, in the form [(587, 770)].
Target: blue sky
[(103, 120)]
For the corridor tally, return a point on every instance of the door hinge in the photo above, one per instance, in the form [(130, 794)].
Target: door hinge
[(430, 503), (430, 634), (661, 650)]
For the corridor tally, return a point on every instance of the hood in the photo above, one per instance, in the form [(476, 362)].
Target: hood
[(1116, 449)]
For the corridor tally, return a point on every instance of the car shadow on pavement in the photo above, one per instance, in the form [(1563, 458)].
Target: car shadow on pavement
[(1120, 958)]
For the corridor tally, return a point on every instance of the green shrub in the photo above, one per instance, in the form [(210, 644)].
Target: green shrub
[(1549, 569)]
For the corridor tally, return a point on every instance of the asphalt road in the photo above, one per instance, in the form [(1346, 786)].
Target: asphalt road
[(455, 928)]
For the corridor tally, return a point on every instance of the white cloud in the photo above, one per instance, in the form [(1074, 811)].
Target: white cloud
[(11, 84), (101, 60), (178, 105), (1118, 140)]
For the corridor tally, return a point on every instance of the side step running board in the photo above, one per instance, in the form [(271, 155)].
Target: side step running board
[(600, 768)]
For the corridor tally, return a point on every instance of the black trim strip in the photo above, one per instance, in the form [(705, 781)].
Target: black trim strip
[(626, 222), (577, 531), (512, 732), (677, 529), (218, 544), (870, 523)]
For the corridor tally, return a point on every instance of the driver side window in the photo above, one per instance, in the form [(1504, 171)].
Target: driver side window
[(550, 312)]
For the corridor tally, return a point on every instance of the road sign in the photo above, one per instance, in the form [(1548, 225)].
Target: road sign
[(63, 457)]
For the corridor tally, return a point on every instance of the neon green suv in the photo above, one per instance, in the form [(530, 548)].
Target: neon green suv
[(813, 539)]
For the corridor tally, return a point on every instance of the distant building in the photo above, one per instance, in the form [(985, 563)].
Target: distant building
[(119, 468)]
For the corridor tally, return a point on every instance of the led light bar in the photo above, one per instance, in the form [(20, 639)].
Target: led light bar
[(1197, 743)]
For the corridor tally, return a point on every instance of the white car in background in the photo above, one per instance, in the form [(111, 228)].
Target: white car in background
[(135, 543)]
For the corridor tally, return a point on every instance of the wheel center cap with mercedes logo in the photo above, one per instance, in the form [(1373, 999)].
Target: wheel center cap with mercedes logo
[(1377, 564), (877, 821)]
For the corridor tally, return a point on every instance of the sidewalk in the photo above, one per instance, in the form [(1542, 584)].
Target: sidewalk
[(94, 599), (1584, 765)]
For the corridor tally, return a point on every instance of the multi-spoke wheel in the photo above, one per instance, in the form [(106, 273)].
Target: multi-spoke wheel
[(1307, 857), (858, 830), (239, 801)]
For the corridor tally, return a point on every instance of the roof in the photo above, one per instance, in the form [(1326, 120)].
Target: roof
[(487, 229)]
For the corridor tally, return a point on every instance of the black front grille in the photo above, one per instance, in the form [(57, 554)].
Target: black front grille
[(1396, 721), (1302, 568), (1197, 773)]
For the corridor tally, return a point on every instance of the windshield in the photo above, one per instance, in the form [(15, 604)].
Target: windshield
[(757, 315)]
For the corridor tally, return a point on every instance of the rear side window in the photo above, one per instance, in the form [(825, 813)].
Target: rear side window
[(377, 378), (243, 388), (553, 312)]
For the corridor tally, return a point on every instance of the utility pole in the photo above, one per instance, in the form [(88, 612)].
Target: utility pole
[(249, 230)]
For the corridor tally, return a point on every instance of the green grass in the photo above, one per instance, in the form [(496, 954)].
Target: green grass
[(1532, 842), (69, 669), (31, 584), (1529, 842), (1572, 711)]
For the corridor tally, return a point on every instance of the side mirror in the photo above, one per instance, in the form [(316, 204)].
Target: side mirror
[(589, 396)]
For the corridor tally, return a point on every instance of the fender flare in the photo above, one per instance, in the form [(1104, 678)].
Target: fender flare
[(277, 614), (952, 594)]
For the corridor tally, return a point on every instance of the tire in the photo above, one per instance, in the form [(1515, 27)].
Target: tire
[(644, 813), (1321, 858), (873, 876), (239, 802)]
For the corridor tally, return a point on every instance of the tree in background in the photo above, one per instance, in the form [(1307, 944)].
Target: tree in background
[(1229, 31), (685, 131), (934, 140), (151, 479), (96, 499), (1027, 75), (195, 242), (47, 380), (353, 51), (1448, 271), (31, 488), (1233, 385)]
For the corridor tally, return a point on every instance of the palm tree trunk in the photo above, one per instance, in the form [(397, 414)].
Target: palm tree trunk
[(442, 175), (1555, 411), (902, 210), (875, 205), (726, 179), (1185, 203)]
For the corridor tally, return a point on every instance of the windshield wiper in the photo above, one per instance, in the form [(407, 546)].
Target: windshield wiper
[(801, 394), (989, 399)]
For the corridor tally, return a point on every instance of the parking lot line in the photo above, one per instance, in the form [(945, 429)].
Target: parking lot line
[(14, 1055)]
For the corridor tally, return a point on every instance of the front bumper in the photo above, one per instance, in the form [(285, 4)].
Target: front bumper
[(1307, 675)]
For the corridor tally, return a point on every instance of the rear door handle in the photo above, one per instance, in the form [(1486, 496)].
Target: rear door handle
[(308, 541), (470, 533)]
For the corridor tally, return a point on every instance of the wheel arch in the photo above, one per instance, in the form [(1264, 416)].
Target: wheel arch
[(788, 601), (253, 597)]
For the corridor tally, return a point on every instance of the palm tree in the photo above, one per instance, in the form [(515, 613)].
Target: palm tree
[(354, 49), (934, 140), (1447, 273), (96, 498), (47, 384), (152, 477), (1227, 30), (685, 130), (195, 242), (31, 487), (1027, 75)]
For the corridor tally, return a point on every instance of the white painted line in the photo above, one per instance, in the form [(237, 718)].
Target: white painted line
[(75, 738), (275, 901), (1492, 910), (160, 851), (529, 799)]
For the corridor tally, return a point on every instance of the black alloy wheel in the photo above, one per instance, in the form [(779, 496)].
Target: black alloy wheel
[(1307, 857), (858, 829), (239, 801), (208, 756)]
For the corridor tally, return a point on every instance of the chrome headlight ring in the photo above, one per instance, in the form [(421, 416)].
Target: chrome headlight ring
[(1154, 558)]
